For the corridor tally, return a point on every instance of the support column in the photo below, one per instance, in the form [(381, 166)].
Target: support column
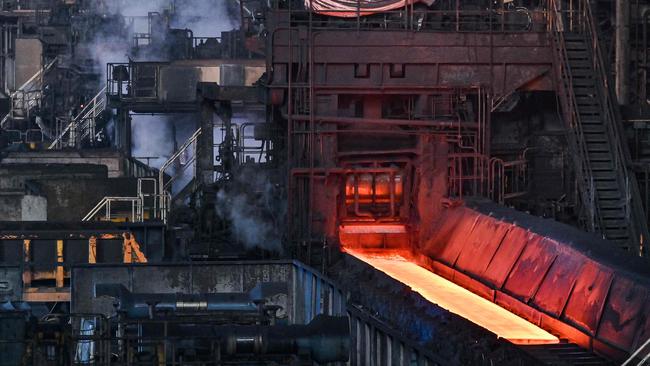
[(205, 151), (122, 135), (59, 266), (27, 270), (622, 45)]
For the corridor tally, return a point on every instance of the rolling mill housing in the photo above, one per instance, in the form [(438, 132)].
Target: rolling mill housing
[(324, 182)]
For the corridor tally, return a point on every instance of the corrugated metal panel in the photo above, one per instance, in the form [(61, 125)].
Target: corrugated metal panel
[(373, 343)]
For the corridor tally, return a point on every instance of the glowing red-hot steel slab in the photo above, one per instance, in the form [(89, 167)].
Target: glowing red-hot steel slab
[(456, 299)]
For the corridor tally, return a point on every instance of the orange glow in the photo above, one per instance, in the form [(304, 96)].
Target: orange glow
[(373, 188), (456, 299), (373, 229)]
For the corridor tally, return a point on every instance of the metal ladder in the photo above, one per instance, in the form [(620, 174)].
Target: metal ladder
[(82, 127), (609, 189), (27, 96)]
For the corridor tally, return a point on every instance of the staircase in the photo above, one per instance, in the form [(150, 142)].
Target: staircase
[(609, 189), (27, 96), (82, 127)]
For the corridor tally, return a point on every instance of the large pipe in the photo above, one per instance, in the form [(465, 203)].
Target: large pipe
[(147, 305), (325, 338), (622, 45)]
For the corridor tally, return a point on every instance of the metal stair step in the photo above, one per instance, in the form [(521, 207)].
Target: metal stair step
[(588, 110), (583, 91), (583, 81), (612, 224), (606, 185), (611, 204), (574, 56), (597, 147), (615, 213), (577, 56), (574, 41), (602, 166), (592, 120), (609, 195), (593, 128), (580, 64), (586, 100), (600, 175), (583, 72), (602, 156), (595, 137), (619, 234)]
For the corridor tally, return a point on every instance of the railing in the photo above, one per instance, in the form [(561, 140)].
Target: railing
[(490, 18), (152, 203), (507, 179), (84, 122), (108, 203), (164, 187), (581, 21), (556, 28), (29, 94), (642, 354), (133, 80)]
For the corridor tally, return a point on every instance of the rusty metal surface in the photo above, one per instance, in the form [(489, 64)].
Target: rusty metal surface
[(482, 243), (533, 264), (549, 273), (588, 297), (505, 258), (554, 292), (619, 322), (505, 61)]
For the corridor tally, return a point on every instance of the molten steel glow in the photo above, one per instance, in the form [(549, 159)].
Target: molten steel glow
[(456, 299)]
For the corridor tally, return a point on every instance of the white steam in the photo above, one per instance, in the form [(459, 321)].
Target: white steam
[(255, 211)]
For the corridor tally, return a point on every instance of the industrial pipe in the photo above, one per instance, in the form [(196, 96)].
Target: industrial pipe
[(146, 305)]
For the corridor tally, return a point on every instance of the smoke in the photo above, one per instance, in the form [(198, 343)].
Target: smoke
[(255, 210), (110, 41), (205, 18), (152, 137)]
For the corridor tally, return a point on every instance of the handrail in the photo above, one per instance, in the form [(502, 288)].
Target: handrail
[(165, 195), (26, 87), (37, 75), (137, 203), (105, 203), (90, 111), (566, 86), (586, 27), (637, 353), (622, 156)]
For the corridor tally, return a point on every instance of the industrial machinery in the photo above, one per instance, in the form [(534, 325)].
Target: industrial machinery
[(324, 182)]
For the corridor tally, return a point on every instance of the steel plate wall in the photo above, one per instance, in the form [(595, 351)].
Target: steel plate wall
[(551, 281)]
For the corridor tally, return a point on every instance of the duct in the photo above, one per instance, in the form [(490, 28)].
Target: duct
[(143, 305), (622, 35)]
